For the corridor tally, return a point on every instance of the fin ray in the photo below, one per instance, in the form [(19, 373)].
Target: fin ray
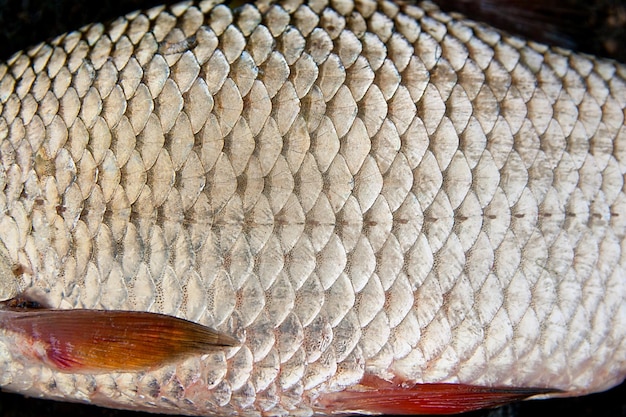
[(94, 341), (375, 395)]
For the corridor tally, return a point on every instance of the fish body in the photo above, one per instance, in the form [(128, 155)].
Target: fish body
[(354, 191)]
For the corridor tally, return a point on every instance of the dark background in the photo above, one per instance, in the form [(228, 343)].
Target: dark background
[(607, 404), (593, 26)]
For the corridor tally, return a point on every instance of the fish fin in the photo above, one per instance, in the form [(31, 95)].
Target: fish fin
[(375, 395), (98, 341), (556, 22)]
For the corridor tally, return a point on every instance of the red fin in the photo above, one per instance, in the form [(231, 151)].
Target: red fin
[(94, 341), (375, 395)]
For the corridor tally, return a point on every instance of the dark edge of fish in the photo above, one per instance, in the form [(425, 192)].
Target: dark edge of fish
[(596, 26), (26, 23)]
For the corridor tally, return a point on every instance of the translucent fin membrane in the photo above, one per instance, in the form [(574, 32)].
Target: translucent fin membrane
[(95, 341), (378, 396)]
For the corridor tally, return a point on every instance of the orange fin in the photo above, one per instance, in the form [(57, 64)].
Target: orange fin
[(378, 396), (96, 341)]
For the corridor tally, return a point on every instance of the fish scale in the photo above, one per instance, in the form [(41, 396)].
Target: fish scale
[(348, 188)]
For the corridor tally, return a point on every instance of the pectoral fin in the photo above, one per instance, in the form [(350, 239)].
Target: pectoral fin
[(97, 341)]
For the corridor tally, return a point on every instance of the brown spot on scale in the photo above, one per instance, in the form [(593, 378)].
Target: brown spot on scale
[(169, 47), (19, 269), (20, 302), (378, 396), (44, 165), (100, 341)]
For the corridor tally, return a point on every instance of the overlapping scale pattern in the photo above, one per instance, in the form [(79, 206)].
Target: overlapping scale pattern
[(347, 187)]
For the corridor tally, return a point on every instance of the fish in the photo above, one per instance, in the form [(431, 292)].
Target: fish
[(76, 292)]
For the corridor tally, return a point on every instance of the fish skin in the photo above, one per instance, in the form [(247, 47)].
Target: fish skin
[(44, 167)]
